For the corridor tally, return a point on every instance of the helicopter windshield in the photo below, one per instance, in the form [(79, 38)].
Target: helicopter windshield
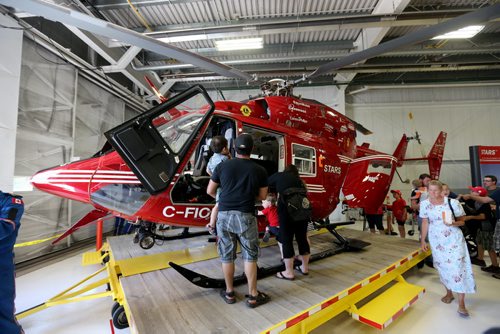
[(177, 131)]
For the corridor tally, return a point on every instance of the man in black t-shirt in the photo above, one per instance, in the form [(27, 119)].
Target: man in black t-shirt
[(480, 215), (242, 182), (494, 197)]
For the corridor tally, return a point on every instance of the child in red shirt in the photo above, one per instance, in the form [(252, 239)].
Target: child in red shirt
[(399, 211), (271, 212)]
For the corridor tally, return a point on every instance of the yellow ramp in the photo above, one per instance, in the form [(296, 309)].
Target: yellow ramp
[(385, 308)]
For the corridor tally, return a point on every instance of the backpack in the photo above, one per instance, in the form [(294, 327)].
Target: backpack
[(297, 204)]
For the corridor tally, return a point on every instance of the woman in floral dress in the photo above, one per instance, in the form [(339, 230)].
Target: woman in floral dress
[(451, 257)]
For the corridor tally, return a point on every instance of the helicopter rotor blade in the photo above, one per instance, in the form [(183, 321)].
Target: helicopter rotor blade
[(360, 127), (104, 28), (479, 16)]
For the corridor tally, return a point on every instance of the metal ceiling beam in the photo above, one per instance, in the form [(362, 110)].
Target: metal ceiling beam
[(245, 61), (110, 55), (482, 15), (104, 28), (195, 77), (282, 48), (258, 30), (86, 69), (306, 58), (372, 36), (117, 4)]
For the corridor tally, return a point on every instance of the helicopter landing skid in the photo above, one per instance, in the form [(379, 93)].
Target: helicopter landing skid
[(343, 245), (185, 234)]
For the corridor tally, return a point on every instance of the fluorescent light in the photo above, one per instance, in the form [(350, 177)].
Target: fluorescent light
[(239, 44), (466, 32)]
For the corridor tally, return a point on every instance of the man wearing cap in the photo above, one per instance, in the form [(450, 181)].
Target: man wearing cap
[(399, 211), (494, 197), (242, 182)]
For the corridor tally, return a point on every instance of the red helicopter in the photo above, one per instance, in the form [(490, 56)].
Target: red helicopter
[(152, 170), (156, 172)]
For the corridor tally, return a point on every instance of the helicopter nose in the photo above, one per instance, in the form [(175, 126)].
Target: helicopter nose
[(63, 183)]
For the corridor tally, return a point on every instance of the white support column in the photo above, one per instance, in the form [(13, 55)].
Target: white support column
[(339, 105), (10, 73)]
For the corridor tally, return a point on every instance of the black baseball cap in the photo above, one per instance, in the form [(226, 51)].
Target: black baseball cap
[(244, 144)]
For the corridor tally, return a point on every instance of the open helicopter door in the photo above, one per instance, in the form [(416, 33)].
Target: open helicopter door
[(155, 142)]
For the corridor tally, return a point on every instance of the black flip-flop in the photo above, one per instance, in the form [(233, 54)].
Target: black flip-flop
[(281, 276), (300, 271)]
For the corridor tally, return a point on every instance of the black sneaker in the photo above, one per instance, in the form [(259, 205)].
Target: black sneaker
[(266, 236), (491, 269), (478, 262)]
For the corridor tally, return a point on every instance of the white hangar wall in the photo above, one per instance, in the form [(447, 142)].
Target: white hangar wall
[(62, 116), (469, 114)]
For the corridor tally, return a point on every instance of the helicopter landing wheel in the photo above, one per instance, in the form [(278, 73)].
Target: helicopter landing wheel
[(115, 307), (136, 237), (120, 320), (146, 240)]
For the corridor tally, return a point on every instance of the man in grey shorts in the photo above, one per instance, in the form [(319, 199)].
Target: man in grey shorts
[(242, 182)]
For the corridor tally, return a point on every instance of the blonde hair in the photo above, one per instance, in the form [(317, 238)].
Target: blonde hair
[(436, 183)]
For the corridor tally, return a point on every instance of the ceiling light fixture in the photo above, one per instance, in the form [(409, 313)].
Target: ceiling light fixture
[(466, 32), (239, 44)]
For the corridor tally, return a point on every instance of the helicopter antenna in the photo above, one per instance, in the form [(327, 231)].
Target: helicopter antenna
[(416, 137)]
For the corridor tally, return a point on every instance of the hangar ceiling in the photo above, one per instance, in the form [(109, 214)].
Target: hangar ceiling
[(298, 36)]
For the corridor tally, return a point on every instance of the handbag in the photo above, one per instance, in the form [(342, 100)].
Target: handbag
[(451, 208)]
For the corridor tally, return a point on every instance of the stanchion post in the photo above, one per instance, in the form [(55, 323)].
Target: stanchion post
[(98, 236)]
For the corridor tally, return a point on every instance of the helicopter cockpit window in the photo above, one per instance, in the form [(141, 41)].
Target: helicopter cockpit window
[(304, 157), (379, 166), (192, 184), (177, 131), (126, 198), (266, 146)]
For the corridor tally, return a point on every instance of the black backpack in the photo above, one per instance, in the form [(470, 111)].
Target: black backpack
[(297, 204)]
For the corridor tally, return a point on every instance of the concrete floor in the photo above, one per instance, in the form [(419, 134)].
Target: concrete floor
[(427, 315)]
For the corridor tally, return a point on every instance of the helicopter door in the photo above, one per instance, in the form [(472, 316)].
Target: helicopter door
[(155, 142)]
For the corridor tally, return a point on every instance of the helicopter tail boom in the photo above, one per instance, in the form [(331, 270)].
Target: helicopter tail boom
[(435, 156)]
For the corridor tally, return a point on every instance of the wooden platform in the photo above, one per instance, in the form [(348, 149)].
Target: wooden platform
[(162, 301)]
